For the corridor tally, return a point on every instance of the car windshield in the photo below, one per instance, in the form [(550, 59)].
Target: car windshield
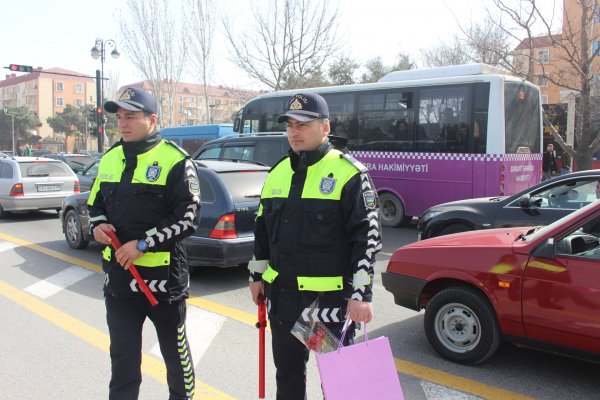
[(44, 168), (541, 230), (79, 161), (244, 185)]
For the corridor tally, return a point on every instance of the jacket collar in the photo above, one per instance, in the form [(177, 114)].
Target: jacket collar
[(133, 149), (305, 159)]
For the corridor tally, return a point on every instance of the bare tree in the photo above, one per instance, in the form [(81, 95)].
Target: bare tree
[(153, 42), (111, 86), (200, 18), (290, 38), (486, 43), (445, 54), (571, 67)]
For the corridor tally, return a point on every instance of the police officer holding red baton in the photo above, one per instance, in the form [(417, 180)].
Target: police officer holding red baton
[(147, 193)]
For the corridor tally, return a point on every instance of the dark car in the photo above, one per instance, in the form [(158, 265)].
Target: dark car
[(87, 176), (535, 286), (229, 193), (77, 162), (539, 205), (266, 149)]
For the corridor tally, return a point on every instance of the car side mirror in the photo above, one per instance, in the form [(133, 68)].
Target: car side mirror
[(545, 250), (236, 124), (524, 201)]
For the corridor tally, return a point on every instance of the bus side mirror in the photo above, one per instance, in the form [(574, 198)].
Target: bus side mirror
[(236, 124)]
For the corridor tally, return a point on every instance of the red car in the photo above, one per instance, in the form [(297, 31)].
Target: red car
[(535, 286)]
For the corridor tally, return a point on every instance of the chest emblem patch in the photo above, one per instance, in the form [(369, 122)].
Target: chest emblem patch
[(153, 172), (327, 185)]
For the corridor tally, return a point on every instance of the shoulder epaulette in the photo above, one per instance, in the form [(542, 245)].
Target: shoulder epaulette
[(359, 166), (177, 147), (277, 163)]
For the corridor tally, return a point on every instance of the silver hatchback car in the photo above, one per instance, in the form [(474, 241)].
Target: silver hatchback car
[(34, 183)]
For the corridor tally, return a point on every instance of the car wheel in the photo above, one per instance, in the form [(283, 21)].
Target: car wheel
[(455, 228), (391, 210), (73, 231), (461, 325), (3, 214)]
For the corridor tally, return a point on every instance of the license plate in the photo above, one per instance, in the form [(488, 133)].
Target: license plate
[(48, 188)]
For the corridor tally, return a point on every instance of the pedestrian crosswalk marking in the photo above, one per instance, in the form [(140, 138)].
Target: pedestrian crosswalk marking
[(202, 327), (439, 392), (6, 246), (59, 281)]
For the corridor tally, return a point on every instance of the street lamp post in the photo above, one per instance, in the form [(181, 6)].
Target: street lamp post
[(99, 52), (12, 117)]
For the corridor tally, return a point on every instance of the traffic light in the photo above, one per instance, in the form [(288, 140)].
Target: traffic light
[(92, 115), (99, 116), (20, 68)]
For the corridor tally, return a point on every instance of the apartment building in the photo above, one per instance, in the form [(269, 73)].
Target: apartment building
[(190, 104), (548, 60), (46, 92)]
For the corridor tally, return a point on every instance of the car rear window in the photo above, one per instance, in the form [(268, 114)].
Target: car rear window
[(44, 168), (79, 162), (244, 186)]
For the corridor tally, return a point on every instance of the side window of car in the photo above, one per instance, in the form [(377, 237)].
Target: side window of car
[(269, 152), (92, 171), (239, 152), (210, 152), (6, 170), (582, 242)]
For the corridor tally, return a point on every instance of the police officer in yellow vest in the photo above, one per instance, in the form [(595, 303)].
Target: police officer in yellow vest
[(317, 232), (147, 191)]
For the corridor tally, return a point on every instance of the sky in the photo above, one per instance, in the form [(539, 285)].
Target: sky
[(61, 33)]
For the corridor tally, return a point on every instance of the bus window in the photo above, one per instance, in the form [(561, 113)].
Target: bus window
[(341, 115), (480, 117), (522, 117), (273, 108), (385, 121), (192, 145), (439, 119)]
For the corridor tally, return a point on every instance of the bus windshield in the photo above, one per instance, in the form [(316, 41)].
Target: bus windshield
[(430, 136)]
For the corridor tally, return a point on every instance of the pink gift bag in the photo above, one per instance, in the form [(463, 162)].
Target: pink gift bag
[(360, 371)]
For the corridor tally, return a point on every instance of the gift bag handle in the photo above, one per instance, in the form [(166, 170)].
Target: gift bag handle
[(345, 330)]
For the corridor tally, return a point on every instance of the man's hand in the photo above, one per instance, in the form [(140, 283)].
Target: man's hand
[(257, 291), (128, 253), (359, 311), (100, 233)]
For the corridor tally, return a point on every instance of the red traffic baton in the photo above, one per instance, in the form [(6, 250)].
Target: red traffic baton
[(261, 325), (133, 269)]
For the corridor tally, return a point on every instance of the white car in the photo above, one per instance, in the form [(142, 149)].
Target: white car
[(34, 183)]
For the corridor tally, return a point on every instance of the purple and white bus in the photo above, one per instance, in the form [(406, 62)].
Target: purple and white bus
[(430, 136)]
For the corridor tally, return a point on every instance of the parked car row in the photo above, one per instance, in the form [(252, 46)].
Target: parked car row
[(229, 195), (34, 183)]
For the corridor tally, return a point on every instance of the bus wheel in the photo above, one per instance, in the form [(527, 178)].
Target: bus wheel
[(392, 210)]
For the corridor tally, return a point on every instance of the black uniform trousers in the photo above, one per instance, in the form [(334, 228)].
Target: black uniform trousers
[(125, 317), (291, 355)]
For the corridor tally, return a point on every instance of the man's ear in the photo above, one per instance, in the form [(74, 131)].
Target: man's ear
[(326, 128), (154, 119)]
